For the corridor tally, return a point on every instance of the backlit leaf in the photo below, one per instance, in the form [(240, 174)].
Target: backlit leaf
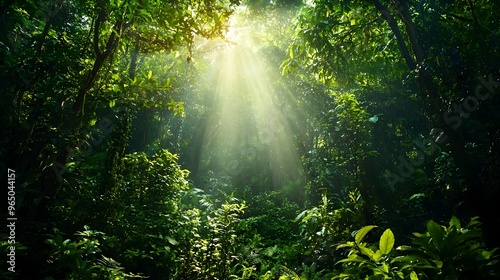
[(172, 241), (386, 242), (362, 232)]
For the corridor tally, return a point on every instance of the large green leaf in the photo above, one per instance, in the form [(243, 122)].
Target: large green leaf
[(386, 242), (437, 233), (362, 232)]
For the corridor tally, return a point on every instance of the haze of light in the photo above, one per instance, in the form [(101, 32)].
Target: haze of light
[(249, 123)]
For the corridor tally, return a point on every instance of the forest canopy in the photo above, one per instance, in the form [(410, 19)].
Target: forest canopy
[(252, 139)]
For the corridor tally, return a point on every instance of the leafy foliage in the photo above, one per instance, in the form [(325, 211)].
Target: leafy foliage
[(439, 253), (82, 258), (166, 132)]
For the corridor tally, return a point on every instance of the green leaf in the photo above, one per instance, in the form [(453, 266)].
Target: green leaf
[(348, 244), (301, 215), (436, 232), (405, 248), (385, 268), (377, 256), (362, 232), (474, 222), (455, 222), (386, 242), (487, 254), (353, 258), (150, 74), (417, 195), (439, 264), (410, 259), (366, 251), (413, 275), (172, 241)]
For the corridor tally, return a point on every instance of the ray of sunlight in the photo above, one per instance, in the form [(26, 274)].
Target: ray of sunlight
[(249, 128)]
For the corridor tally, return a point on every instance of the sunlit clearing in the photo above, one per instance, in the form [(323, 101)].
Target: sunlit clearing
[(249, 128)]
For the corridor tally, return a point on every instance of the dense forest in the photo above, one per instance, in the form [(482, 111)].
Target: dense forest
[(250, 139)]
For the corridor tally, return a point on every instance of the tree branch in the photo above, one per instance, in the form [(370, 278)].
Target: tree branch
[(100, 18), (399, 37), (410, 31), (78, 106)]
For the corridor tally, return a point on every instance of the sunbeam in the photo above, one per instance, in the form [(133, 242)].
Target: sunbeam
[(249, 128)]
